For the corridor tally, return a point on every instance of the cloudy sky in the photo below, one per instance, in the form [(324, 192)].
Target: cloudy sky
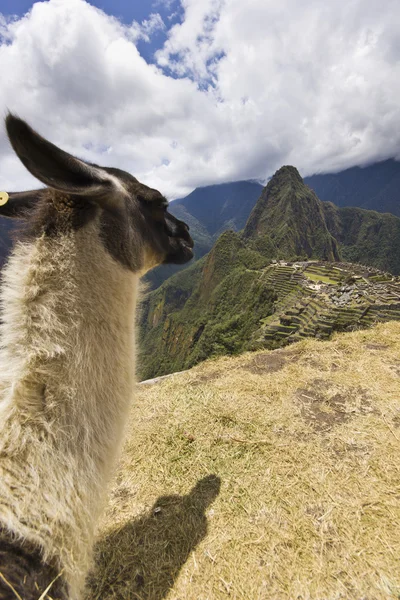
[(184, 93)]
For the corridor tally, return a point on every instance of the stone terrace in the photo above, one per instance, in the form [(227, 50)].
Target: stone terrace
[(314, 299)]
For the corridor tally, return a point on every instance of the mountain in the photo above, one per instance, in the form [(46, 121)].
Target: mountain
[(375, 187), (293, 222), (245, 294), (213, 209), (221, 207), (291, 216), (209, 211), (210, 308)]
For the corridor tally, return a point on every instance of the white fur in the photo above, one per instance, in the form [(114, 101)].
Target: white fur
[(66, 376)]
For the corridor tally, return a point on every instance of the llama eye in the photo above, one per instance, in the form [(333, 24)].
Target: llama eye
[(158, 215)]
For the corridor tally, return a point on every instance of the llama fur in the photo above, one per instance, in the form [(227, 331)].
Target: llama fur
[(66, 381)]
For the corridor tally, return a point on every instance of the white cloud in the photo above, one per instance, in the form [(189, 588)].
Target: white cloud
[(148, 27), (260, 84)]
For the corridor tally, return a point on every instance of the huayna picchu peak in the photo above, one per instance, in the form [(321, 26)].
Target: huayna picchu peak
[(292, 217)]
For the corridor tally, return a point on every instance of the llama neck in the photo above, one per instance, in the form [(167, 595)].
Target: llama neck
[(68, 339), (66, 377)]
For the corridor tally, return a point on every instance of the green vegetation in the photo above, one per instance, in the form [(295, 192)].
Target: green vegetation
[(325, 273), (291, 216), (227, 311), (323, 278), (370, 238), (287, 222)]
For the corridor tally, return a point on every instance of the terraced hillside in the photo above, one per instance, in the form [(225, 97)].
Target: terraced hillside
[(314, 299), (295, 221)]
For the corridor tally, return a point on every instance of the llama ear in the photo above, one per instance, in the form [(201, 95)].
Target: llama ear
[(15, 205), (58, 169)]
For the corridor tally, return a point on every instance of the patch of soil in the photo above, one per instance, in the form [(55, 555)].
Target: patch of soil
[(270, 362), (311, 362), (350, 450), (315, 364), (323, 407), (206, 377), (395, 367), (376, 346), (396, 422)]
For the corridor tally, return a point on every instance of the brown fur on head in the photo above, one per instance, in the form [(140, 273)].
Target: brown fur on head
[(134, 223)]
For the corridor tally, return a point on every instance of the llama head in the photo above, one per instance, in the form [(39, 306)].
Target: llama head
[(134, 224)]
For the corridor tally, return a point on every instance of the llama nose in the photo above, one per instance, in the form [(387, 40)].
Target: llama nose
[(185, 235)]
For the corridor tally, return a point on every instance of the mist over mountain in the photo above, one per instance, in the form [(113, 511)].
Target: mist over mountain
[(221, 207)]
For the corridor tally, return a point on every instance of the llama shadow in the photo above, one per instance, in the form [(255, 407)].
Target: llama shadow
[(142, 559)]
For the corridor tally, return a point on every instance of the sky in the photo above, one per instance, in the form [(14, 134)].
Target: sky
[(183, 93)]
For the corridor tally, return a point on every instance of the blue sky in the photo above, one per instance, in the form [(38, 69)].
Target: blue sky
[(126, 11), (185, 93)]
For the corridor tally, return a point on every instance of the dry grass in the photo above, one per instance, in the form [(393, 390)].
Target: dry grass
[(266, 476)]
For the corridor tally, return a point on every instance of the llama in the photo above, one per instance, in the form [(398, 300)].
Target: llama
[(67, 355)]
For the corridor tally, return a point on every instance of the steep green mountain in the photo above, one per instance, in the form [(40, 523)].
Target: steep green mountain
[(291, 221), (365, 236), (376, 187), (209, 211), (291, 216), (211, 308), (243, 296)]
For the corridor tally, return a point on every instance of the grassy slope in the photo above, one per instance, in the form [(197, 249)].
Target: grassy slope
[(264, 476)]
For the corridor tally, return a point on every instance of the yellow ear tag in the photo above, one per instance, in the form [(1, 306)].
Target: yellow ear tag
[(3, 198)]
